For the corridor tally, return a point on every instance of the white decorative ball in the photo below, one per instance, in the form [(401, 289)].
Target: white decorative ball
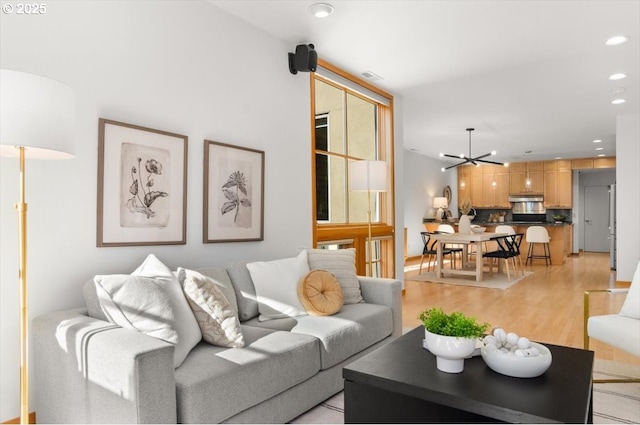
[(524, 343), (500, 335), (512, 338)]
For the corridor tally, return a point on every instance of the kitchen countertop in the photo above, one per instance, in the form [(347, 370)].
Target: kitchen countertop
[(508, 223)]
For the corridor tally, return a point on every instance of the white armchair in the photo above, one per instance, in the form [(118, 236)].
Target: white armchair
[(621, 330)]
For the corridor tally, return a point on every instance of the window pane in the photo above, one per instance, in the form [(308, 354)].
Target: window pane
[(322, 129), (330, 103), (337, 190), (361, 128), (358, 205), (322, 187)]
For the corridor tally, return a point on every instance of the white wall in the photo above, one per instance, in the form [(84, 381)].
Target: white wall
[(587, 178), (423, 181), (184, 67), (628, 194)]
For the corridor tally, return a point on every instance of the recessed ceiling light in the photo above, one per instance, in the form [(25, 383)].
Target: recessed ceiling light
[(321, 10), (597, 141), (558, 157), (618, 39), (599, 149), (618, 76), (602, 154), (618, 101)]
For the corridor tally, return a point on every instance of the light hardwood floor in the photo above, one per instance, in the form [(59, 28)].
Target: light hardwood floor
[(546, 307)]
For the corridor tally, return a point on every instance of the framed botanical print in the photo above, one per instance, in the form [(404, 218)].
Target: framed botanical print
[(233, 193), (142, 186)]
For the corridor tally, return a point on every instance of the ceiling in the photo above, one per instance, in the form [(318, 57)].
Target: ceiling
[(530, 76)]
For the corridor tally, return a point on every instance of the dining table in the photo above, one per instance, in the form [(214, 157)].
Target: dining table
[(464, 239)]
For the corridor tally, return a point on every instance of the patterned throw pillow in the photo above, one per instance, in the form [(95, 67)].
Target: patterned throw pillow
[(320, 293), (342, 264), (214, 314)]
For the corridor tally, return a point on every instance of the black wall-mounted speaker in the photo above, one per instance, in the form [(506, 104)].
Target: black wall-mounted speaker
[(305, 59)]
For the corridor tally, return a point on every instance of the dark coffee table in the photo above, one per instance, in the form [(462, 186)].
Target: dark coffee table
[(399, 383)]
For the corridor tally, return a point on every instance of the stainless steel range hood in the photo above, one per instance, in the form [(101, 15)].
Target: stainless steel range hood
[(527, 204)]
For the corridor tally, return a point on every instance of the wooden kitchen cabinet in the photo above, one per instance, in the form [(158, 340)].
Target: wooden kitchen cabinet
[(495, 190), (558, 189), (526, 177), (464, 184)]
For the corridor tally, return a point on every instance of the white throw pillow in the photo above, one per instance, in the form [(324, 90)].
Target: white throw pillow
[(631, 306), (342, 264), (213, 312), (276, 284), (150, 301)]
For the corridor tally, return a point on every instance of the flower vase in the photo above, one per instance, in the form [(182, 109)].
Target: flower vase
[(464, 224)]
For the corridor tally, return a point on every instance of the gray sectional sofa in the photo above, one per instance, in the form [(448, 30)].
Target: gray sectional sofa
[(88, 370)]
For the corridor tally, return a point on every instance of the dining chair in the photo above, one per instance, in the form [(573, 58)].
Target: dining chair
[(621, 330), (430, 250), (507, 250), (454, 248), (538, 234), (509, 230)]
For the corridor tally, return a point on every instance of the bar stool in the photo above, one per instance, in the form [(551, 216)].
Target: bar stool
[(538, 234)]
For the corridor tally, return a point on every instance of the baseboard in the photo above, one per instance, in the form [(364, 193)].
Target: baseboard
[(32, 419)]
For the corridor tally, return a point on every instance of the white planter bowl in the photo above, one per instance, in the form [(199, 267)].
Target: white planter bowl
[(515, 366), (478, 229), (450, 351)]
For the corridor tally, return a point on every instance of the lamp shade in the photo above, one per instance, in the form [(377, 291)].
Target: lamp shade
[(440, 202), (368, 175), (36, 113)]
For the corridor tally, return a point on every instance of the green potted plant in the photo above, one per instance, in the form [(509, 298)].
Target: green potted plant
[(450, 337)]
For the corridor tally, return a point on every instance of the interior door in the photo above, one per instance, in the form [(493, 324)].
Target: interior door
[(596, 219)]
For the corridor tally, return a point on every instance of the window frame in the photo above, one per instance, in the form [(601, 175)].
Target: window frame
[(383, 231)]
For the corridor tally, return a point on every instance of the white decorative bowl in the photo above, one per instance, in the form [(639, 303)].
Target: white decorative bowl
[(450, 351), (516, 366), (478, 229)]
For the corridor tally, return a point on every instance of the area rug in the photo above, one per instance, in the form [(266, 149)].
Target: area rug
[(495, 281), (612, 403)]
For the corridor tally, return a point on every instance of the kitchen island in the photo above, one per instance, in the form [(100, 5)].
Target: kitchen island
[(561, 234)]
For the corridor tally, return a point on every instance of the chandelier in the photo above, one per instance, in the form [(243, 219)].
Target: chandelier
[(470, 159)]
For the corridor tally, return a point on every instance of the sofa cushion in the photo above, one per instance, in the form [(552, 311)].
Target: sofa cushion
[(616, 330), (276, 285), (222, 280), (216, 383), (354, 328), (320, 293), (631, 306), (342, 264), (215, 316), (244, 289), (150, 300)]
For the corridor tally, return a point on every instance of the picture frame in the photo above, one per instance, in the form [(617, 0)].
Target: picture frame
[(142, 186), (233, 198)]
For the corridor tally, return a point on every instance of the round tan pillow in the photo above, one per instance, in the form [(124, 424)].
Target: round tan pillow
[(320, 293)]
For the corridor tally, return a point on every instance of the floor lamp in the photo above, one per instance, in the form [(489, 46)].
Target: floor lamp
[(36, 121), (368, 176)]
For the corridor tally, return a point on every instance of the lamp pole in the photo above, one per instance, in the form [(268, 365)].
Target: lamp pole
[(22, 277)]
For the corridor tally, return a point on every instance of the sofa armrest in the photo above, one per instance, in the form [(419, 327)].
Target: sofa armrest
[(384, 292), (91, 371)]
